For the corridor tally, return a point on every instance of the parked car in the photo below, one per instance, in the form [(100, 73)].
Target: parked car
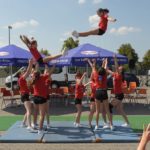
[(129, 77)]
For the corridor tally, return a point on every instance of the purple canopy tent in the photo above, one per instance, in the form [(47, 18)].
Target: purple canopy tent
[(76, 56), (14, 55)]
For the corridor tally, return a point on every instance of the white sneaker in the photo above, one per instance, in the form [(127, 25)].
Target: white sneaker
[(30, 129), (112, 128), (40, 132), (78, 125), (48, 126), (75, 34), (96, 127), (74, 123), (106, 126), (34, 126), (125, 125)]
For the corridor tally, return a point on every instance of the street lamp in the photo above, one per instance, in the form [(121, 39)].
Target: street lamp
[(9, 28)]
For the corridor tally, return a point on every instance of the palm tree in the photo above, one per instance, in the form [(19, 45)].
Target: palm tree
[(69, 43)]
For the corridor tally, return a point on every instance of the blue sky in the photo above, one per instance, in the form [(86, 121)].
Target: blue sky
[(52, 21)]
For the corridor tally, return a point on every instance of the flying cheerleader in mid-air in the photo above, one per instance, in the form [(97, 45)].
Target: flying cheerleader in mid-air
[(104, 18), (32, 46)]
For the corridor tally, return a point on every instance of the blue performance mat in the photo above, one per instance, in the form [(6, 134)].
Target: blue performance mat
[(120, 134), (18, 134), (66, 132)]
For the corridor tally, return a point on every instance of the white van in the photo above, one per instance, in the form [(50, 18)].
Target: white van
[(13, 79), (148, 73), (59, 77), (63, 76)]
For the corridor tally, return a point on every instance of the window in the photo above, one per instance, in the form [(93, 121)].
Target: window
[(57, 70), (72, 70)]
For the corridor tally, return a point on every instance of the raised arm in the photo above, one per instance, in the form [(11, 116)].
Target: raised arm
[(109, 71), (104, 63), (116, 63), (111, 19), (145, 138), (80, 81), (86, 84), (25, 40), (28, 71), (90, 63), (48, 70)]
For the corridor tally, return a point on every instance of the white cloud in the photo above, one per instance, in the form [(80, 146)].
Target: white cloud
[(97, 1), (24, 24), (18, 25), (33, 23), (81, 1), (93, 1), (93, 20), (124, 30)]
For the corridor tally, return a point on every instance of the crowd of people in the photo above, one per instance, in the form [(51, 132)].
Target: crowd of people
[(40, 84), (39, 87), (99, 102)]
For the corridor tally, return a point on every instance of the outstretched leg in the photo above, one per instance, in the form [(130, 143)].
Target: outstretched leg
[(84, 34), (49, 58)]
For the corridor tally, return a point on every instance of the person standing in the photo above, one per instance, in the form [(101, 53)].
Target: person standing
[(118, 79), (40, 96), (24, 91), (101, 96), (79, 90)]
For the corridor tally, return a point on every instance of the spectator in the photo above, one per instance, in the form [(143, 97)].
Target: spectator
[(145, 138)]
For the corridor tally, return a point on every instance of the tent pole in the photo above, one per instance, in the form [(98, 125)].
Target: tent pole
[(11, 77), (11, 84), (87, 79)]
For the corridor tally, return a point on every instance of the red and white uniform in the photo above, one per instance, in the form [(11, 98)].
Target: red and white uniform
[(47, 83), (100, 81), (79, 91), (35, 53), (117, 83), (40, 88), (93, 89), (103, 22), (23, 86)]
